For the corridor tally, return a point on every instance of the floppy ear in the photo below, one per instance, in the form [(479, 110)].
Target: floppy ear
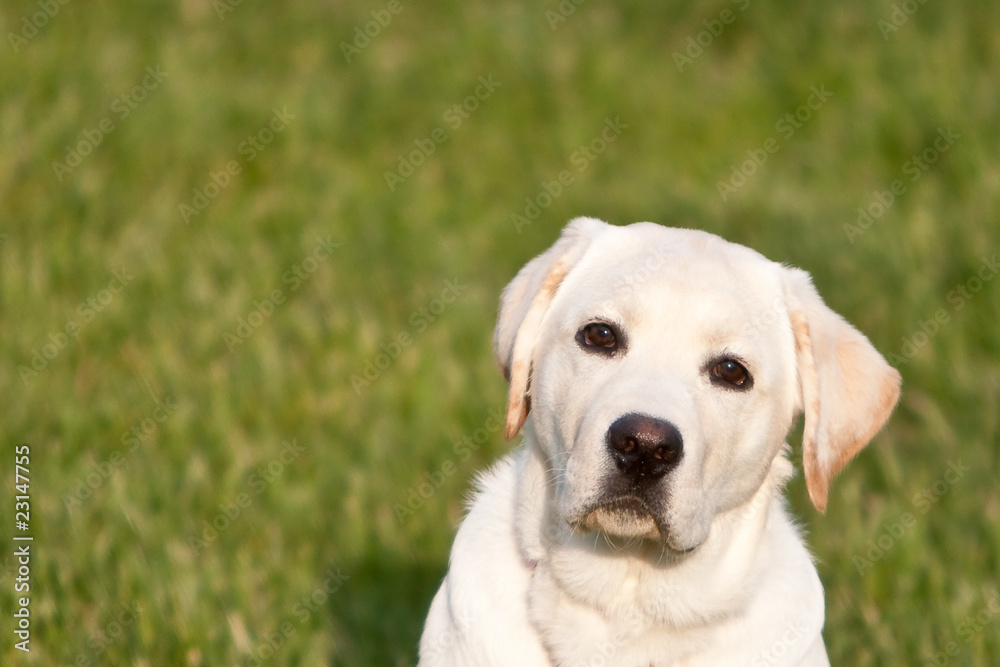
[(522, 306), (848, 389)]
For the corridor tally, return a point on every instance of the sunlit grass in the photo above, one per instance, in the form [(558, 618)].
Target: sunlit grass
[(173, 524)]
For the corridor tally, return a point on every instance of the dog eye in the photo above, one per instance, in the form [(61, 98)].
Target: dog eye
[(732, 373), (598, 335)]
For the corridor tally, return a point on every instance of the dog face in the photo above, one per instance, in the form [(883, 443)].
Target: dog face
[(657, 396), (663, 369)]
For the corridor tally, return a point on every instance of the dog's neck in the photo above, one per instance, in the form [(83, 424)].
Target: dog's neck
[(673, 590)]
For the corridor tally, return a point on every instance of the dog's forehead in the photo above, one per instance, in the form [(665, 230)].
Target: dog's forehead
[(648, 266)]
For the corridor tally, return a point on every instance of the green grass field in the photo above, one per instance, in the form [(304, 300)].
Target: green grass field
[(250, 260)]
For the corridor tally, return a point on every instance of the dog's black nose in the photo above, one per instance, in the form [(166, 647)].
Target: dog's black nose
[(643, 447)]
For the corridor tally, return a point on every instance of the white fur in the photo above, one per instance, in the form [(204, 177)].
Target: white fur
[(727, 580)]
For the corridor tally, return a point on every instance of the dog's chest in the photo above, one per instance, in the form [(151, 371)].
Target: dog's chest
[(623, 630)]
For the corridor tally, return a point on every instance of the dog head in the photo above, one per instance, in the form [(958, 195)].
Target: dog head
[(663, 369)]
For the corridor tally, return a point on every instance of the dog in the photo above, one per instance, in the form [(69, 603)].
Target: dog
[(655, 373)]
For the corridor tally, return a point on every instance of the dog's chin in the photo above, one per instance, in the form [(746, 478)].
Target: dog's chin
[(622, 520), (625, 520)]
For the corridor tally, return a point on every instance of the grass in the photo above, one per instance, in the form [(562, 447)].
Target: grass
[(207, 394)]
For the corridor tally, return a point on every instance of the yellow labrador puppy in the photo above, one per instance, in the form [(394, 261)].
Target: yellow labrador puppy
[(655, 374)]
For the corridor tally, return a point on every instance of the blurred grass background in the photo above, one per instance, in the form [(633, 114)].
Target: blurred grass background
[(148, 423)]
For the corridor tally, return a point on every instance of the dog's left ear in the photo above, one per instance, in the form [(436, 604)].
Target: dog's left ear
[(848, 389), (523, 304)]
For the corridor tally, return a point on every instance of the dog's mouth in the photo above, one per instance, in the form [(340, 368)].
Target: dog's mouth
[(626, 516), (628, 508), (625, 519)]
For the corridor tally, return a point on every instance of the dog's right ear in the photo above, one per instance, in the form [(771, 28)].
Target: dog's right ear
[(523, 304)]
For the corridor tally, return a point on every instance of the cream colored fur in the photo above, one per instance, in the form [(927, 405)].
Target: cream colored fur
[(725, 578)]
